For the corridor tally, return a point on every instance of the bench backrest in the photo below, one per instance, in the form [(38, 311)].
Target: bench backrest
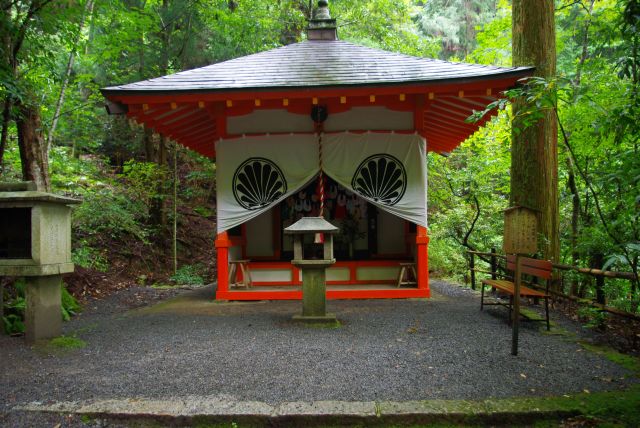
[(533, 267)]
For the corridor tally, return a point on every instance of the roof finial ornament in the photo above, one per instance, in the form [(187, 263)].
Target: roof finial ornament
[(321, 25), (322, 12)]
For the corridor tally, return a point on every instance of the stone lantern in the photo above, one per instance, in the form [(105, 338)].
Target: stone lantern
[(35, 243), (313, 260)]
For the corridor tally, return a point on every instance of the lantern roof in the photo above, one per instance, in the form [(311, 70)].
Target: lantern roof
[(311, 225), (25, 191), (316, 64)]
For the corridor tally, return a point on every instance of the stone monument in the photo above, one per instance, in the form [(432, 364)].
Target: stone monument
[(35, 243), (313, 259)]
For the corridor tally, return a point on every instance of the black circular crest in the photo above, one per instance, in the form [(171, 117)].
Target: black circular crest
[(257, 183), (381, 178)]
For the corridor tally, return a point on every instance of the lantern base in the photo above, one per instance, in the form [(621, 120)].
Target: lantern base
[(42, 315), (327, 319)]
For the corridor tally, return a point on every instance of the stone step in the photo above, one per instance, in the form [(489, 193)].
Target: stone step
[(198, 410)]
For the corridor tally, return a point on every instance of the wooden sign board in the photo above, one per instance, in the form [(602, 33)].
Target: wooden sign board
[(520, 231)]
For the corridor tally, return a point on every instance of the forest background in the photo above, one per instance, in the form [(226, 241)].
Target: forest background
[(57, 54)]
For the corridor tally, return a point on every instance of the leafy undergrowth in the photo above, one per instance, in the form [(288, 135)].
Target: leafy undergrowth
[(123, 229), (133, 263), (622, 334), (122, 232), (14, 305)]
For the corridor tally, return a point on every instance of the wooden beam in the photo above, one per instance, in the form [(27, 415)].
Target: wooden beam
[(197, 132), (444, 129), (447, 111), (447, 121)]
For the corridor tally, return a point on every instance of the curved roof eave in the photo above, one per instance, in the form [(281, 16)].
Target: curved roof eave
[(316, 65), (116, 91)]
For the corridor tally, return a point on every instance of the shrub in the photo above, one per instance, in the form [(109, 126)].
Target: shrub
[(189, 275), (109, 213), (89, 258), (593, 317)]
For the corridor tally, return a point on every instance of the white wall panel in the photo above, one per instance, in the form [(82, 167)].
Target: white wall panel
[(271, 275), (338, 274), (372, 273)]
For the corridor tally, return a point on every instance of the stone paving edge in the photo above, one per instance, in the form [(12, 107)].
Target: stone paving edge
[(188, 410)]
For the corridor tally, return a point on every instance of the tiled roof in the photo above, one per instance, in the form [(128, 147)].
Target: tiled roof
[(316, 64)]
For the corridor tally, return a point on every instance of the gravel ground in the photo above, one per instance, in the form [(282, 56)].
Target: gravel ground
[(440, 348)]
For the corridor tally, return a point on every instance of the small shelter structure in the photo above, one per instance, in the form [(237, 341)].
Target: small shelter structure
[(361, 119)]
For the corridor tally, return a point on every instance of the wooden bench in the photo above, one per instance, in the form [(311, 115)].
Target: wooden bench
[(407, 274), (242, 267), (535, 268)]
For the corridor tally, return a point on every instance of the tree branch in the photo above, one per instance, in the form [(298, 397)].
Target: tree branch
[(596, 200), (34, 8)]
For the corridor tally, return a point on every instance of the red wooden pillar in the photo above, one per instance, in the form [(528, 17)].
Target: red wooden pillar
[(422, 252), (222, 249)]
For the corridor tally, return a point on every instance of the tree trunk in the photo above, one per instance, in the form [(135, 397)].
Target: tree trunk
[(575, 221), (4, 133), (33, 150), (67, 75), (149, 145), (534, 153), (597, 260)]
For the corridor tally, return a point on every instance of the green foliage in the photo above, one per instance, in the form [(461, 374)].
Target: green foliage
[(145, 181), (455, 23), (105, 213), (596, 107), (493, 40), (70, 305), (14, 307), (384, 24), (467, 191), (88, 257), (446, 257), (592, 317), (204, 211), (189, 275), (199, 183), (13, 324)]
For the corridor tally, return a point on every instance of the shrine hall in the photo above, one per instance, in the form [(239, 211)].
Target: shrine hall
[(323, 128)]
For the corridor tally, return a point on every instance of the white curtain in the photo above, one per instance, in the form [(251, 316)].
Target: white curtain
[(386, 169), (256, 173)]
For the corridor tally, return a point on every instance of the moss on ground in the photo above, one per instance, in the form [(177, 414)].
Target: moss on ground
[(160, 286), (59, 345), (629, 362), (67, 342)]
